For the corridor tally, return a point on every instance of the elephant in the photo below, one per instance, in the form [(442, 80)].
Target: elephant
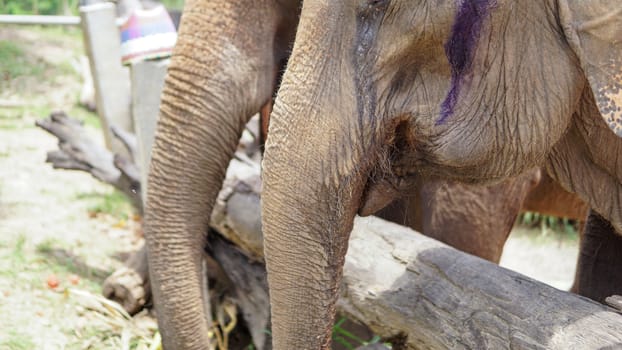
[(383, 93), (223, 71), (478, 219)]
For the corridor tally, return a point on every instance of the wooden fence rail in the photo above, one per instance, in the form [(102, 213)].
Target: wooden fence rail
[(44, 20), (41, 20)]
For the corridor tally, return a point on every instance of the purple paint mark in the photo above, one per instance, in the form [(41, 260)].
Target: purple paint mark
[(461, 46)]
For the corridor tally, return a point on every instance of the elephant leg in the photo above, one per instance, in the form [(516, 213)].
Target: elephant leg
[(472, 218), (599, 272)]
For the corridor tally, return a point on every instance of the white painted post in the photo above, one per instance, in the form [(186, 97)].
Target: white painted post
[(40, 20), (111, 79), (147, 83)]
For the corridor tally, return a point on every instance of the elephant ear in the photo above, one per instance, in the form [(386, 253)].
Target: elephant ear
[(593, 29)]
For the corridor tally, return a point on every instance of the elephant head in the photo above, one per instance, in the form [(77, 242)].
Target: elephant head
[(385, 91), (222, 71)]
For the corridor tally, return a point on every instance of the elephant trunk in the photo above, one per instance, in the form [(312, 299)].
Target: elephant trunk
[(219, 75), (308, 214), (315, 167)]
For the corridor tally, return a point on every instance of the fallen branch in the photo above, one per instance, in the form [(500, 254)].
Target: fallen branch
[(77, 151)]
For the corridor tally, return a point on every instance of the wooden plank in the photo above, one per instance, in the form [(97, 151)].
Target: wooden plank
[(147, 81), (111, 79)]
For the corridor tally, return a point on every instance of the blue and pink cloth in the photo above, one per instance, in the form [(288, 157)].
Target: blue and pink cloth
[(146, 35)]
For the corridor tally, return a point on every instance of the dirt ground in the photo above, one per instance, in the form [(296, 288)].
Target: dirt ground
[(65, 227), (549, 257), (56, 227)]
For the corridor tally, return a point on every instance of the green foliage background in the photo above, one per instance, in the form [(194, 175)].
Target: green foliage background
[(56, 7), (41, 7)]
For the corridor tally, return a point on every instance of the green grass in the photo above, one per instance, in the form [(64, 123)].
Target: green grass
[(87, 117), (14, 62), (59, 34), (347, 339), (10, 126), (31, 69), (59, 258), (47, 245), (49, 256), (113, 203), (16, 341), (173, 4), (18, 250), (44, 7), (14, 256), (557, 228), (20, 118)]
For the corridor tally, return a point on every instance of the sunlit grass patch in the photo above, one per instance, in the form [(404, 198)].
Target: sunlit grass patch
[(551, 227), (85, 116), (21, 118), (59, 35), (60, 259), (15, 63), (114, 203), (16, 341), (12, 256), (65, 296), (18, 249)]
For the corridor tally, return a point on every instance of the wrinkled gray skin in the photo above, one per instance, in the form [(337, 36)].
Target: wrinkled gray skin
[(367, 89)]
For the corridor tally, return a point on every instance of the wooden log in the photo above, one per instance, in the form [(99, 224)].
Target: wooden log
[(236, 212), (400, 282)]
